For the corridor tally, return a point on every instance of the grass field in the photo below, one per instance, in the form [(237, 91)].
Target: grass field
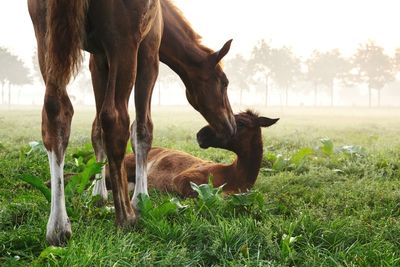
[(328, 194)]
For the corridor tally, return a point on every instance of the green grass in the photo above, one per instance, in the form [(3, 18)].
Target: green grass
[(318, 207)]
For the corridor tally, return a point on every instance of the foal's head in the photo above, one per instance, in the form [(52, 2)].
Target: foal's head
[(248, 133), (207, 93)]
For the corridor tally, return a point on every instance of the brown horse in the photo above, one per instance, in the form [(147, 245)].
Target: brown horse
[(198, 68), (172, 171), (123, 38)]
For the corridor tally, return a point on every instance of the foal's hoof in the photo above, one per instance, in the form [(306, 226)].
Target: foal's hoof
[(58, 235)]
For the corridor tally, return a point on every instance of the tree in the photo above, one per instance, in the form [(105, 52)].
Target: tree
[(237, 70), (12, 71), (17, 74), (374, 68), (314, 72), (325, 68), (260, 64), (5, 58), (285, 69)]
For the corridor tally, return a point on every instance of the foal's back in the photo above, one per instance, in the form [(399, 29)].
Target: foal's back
[(164, 165)]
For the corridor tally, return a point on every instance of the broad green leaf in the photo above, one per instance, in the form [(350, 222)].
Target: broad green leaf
[(78, 161), (178, 204), (145, 205), (327, 146), (74, 181), (35, 147), (38, 184), (86, 153), (163, 210), (353, 150), (92, 168), (298, 158), (270, 157), (280, 163), (206, 191), (129, 149), (208, 195), (52, 252), (247, 199)]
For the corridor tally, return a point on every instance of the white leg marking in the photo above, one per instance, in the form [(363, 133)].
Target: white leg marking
[(141, 173), (131, 187), (100, 188), (58, 226)]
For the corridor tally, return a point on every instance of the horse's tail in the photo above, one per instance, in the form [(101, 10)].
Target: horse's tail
[(65, 33)]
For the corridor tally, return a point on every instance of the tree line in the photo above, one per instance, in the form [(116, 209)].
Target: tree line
[(369, 66)]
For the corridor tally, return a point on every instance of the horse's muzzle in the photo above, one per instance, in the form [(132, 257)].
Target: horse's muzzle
[(229, 128)]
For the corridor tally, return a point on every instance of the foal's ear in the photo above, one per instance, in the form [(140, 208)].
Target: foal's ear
[(217, 56), (266, 122)]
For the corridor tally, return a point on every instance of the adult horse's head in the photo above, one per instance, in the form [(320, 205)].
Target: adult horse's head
[(207, 93), (199, 68)]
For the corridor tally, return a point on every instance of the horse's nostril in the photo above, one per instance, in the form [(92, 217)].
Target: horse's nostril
[(200, 139), (202, 142)]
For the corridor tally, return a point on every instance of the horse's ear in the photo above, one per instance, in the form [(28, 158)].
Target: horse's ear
[(219, 55), (266, 122)]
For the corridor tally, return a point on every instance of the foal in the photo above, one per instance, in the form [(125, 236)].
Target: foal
[(172, 171)]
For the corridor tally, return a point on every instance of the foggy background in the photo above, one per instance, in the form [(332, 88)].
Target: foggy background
[(285, 53)]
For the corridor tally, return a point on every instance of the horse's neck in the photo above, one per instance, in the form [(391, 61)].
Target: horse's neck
[(246, 166), (180, 52)]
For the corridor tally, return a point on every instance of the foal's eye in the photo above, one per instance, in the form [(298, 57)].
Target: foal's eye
[(239, 125)]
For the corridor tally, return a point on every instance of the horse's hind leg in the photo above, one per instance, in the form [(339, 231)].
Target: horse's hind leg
[(142, 128), (114, 120), (56, 121), (99, 70)]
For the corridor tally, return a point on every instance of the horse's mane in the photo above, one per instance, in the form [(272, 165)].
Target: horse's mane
[(185, 25)]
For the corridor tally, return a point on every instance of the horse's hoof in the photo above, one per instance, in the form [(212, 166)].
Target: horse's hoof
[(128, 222), (98, 201), (132, 220), (135, 204), (100, 193), (59, 234)]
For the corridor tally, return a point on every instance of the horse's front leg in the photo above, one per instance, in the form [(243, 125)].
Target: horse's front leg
[(56, 124), (142, 128), (57, 114)]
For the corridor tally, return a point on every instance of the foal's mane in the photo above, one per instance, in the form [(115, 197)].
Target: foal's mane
[(185, 25)]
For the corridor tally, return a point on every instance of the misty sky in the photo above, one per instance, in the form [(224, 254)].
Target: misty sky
[(304, 25)]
